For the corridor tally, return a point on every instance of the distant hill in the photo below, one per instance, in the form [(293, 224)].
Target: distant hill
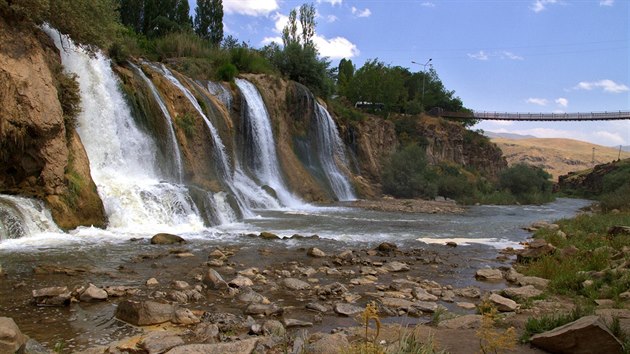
[(626, 148), (493, 135), (557, 156)]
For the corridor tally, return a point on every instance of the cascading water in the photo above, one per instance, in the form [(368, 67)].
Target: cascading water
[(219, 91), (172, 139), (122, 158), (248, 193), (331, 151), (260, 150), (21, 217)]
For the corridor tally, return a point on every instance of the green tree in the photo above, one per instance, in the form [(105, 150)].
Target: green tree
[(522, 179), (209, 20), (407, 174), (345, 73), (307, 20), (289, 32), (87, 22), (132, 13)]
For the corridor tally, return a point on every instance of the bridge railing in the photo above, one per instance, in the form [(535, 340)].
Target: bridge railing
[(616, 115)]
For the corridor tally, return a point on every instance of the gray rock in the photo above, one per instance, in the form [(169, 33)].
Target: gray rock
[(245, 346), (586, 335), (166, 239), (241, 281), (316, 252), (396, 303), (214, 280), (11, 338), (158, 342), (144, 313), (489, 274), (119, 291), (93, 294), (250, 296), (53, 296), (207, 332), (466, 305), (178, 296), (184, 316), (180, 285), (274, 328), (422, 295), (263, 309), (345, 309), (522, 293), (512, 275), (396, 266), (462, 322), (315, 306), (470, 292), (503, 304), (333, 289), (295, 284), (448, 295), (292, 323), (538, 283), (330, 343), (426, 306), (34, 347)]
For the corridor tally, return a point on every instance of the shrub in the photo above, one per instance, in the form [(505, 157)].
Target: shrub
[(407, 175), (227, 72), (69, 96), (522, 179)]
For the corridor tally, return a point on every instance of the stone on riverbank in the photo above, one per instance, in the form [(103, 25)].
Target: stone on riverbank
[(316, 252), (345, 309), (268, 236), (462, 322), (503, 304), (489, 274), (214, 280), (245, 346), (11, 338), (295, 284), (159, 342), (166, 239), (144, 313), (586, 335), (522, 293), (53, 296), (330, 343), (93, 294), (396, 266)]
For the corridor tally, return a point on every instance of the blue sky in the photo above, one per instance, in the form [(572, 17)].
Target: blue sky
[(497, 55)]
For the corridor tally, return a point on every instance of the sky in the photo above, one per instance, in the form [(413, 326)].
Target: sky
[(497, 55)]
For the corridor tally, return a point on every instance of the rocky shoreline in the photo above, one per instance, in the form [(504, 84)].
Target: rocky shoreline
[(441, 206), (178, 298)]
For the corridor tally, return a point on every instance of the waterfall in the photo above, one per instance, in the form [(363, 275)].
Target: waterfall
[(20, 217), (221, 93), (260, 150), (248, 193), (172, 139), (331, 152), (122, 157)]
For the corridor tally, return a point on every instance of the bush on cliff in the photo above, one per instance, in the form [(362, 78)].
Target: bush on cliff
[(407, 174), (522, 180)]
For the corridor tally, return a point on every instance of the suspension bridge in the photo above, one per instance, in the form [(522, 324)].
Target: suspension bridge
[(481, 115)]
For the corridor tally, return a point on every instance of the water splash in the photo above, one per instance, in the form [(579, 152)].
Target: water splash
[(20, 217)]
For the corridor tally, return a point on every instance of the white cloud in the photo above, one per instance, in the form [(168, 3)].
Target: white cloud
[(481, 55), (361, 13), (540, 5), (331, 2), (269, 40), (331, 18), (427, 4), (606, 85), (250, 7), (281, 21), (335, 48), (606, 2), (563, 102), (537, 101), (510, 55), (610, 138), (501, 123)]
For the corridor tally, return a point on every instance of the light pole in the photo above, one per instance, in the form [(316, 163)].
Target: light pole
[(424, 69)]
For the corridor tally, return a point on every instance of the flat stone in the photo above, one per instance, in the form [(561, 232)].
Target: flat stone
[(180, 285), (217, 254), (470, 292), (330, 343), (11, 338), (184, 255), (206, 332), (426, 306), (159, 342), (462, 322), (523, 293), (448, 295), (245, 346), (489, 274), (466, 305), (292, 323), (364, 280), (121, 290), (422, 295), (144, 313), (241, 281), (586, 335), (503, 304), (345, 309), (273, 328), (93, 294), (316, 252), (184, 316), (538, 283), (263, 309), (395, 266), (166, 239), (315, 306), (52, 296), (249, 272), (396, 303), (250, 296), (214, 280), (295, 284)]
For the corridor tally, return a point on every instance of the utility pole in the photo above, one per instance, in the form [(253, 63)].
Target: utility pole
[(593, 159), (619, 157), (424, 74)]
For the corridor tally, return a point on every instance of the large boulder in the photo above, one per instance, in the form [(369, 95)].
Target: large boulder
[(330, 343), (11, 338), (522, 293), (489, 274), (144, 313), (503, 304), (52, 296), (214, 280), (166, 239), (93, 294), (245, 346), (584, 336)]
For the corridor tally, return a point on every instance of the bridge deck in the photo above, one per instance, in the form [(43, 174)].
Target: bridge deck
[(618, 115)]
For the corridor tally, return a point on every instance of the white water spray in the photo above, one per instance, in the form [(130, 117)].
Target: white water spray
[(20, 217)]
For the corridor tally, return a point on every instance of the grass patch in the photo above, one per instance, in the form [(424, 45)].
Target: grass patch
[(546, 323), (186, 122)]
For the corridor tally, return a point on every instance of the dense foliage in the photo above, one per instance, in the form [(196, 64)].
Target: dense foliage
[(609, 183), (407, 174)]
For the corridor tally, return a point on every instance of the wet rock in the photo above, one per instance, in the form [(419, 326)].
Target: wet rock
[(330, 343), (273, 328), (536, 249), (160, 342), (422, 295), (315, 306), (245, 346), (178, 296), (93, 294), (215, 263), (397, 303), (426, 306), (217, 254), (11, 338), (386, 247), (249, 272), (451, 244), (396, 266), (268, 236), (316, 252), (180, 285), (152, 282), (240, 281), (503, 304), (144, 313), (462, 322), (250, 296), (53, 296), (469, 292), (369, 279), (293, 323), (512, 275), (618, 230), (466, 305), (295, 284), (345, 309), (538, 283), (333, 289), (166, 239), (184, 316), (57, 269), (448, 295), (207, 332), (214, 280), (523, 293), (119, 291), (586, 335), (33, 347), (263, 309), (489, 274)]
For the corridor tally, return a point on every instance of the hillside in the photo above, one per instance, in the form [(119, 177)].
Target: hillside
[(557, 156)]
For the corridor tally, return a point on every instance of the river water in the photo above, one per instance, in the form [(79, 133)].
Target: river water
[(111, 255)]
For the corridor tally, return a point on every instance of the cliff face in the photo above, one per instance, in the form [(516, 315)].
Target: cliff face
[(34, 148), (591, 182)]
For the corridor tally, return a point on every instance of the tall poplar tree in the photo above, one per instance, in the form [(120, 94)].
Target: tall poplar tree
[(209, 20)]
